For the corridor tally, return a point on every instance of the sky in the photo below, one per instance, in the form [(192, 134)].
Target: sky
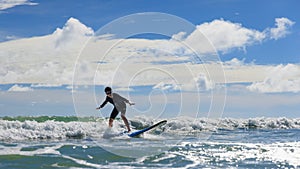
[(210, 58)]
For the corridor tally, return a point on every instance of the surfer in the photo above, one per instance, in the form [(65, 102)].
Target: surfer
[(119, 104)]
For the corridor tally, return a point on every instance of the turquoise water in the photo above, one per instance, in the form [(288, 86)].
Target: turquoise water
[(181, 143)]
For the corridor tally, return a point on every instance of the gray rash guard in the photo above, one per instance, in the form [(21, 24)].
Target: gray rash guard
[(118, 101)]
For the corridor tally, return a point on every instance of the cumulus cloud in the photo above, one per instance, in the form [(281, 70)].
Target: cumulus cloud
[(199, 83), (203, 83), (73, 31), (5, 4), (281, 78), (44, 60), (19, 88), (225, 35), (179, 36), (282, 28)]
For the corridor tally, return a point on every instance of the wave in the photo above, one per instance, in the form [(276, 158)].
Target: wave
[(47, 118), (44, 127)]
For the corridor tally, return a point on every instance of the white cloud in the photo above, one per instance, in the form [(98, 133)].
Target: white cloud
[(203, 83), (281, 29), (179, 36), (73, 31), (281, 78), (5, 4), (18, 88), (11, 37), (198, 83), (127, 62), (235, 62), (47, 59), (225, 35), (166, 86), (45, 85)]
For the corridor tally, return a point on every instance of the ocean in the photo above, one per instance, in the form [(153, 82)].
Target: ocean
[(86, 142)]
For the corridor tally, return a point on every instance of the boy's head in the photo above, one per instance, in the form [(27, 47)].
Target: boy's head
[(107, 90)]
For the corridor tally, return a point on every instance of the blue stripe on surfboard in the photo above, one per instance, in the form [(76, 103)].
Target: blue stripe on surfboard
[(136, 133)]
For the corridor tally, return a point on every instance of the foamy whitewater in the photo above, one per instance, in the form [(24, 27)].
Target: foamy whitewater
[(69, 142)]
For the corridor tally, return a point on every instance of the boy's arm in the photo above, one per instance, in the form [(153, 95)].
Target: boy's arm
[(103, 104)]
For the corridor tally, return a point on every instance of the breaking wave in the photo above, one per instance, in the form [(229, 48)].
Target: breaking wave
[(44, 127)]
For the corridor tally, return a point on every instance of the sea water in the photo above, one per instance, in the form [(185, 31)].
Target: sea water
[(70, 142)]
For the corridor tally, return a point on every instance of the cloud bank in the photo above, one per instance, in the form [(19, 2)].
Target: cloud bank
[(50, 60), (281, 78)]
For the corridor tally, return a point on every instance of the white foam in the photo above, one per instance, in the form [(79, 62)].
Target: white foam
[(181, 124), (83, 162), (50, 149), (16, 130)]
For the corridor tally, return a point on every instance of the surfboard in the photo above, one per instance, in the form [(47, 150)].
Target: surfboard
[(139, 132)]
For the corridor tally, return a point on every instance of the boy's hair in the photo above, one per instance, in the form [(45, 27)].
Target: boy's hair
[(107, 89)]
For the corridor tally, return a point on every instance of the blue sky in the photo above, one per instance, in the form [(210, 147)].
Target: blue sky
[(44, 17), (262, 67)]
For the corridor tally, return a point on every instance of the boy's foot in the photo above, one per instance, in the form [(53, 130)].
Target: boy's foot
[(127, 131)]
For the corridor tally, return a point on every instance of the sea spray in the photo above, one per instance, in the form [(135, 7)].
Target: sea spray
[(17, 129)]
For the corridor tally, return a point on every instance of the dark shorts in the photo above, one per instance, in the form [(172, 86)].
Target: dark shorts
[(115, 112)]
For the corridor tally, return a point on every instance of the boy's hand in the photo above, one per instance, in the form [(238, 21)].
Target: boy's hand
[(98, 108), (131, 103)]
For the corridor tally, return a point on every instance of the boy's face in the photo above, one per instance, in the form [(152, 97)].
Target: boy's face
[(108, 93)]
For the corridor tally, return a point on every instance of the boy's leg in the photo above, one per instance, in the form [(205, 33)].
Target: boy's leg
[(125, 120), (110, 123), (113, 115)]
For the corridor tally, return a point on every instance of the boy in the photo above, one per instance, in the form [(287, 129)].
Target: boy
[(119, 103)]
